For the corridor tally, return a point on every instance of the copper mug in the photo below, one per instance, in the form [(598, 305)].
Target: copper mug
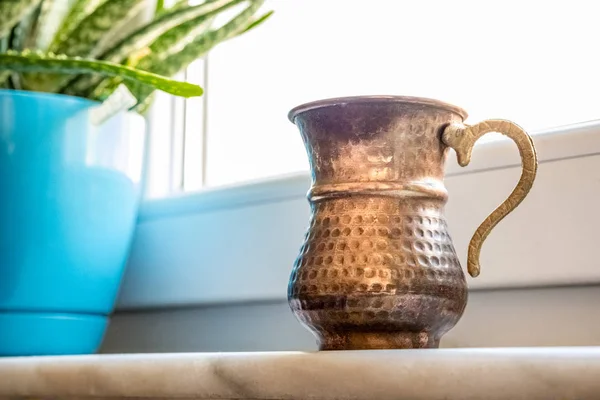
[(377, 269)]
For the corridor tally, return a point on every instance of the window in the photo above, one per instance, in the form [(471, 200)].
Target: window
[(512, 59), (176, 140)]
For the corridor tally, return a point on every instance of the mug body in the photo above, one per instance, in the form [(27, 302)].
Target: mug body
[(377, 268)]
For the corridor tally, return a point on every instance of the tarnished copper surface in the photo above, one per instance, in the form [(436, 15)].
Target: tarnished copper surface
[(377, 269)]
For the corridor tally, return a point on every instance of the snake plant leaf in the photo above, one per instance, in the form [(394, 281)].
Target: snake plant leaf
[(195, 49), (17, 42), (89, 38), (80, 10), (18, 39), (142, 107), (61, 64), (258, 21), (178, 47), (13, 11), (4, 75), (104, 89), (160, 7), (4, 43), (177, 6), (171, 42), (21, 31), (51, 16), (144, 37)]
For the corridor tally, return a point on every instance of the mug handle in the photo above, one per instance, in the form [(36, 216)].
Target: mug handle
[(462, 138)]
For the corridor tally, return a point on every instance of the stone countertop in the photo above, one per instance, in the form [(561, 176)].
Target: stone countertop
[(503, 373)]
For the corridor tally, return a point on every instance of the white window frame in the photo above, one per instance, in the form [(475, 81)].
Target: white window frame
[(176, 149)]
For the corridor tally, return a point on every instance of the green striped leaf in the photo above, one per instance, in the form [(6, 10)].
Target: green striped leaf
[(22, 30), (104, 89), (144, 37), (4, 44), (144, 105), (196, 49), (163, 58), (180, 4), (147, 35), (88, 38), (257, 21), (91, 35), (18, 41), (171, 42), (51, 17), (47, 63), (160, 7), (5, 74), (80, 10), (12, 11), (177, 6)]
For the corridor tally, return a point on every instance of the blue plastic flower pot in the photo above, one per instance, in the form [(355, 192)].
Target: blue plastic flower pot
[(69, 195)]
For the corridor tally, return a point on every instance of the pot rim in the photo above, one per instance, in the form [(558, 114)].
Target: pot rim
[(336, 101), (61, 98), (56, 96)]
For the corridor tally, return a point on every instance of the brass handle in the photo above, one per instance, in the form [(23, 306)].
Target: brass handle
[(462, 138)]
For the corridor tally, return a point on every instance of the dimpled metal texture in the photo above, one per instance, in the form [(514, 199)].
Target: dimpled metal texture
[(377, 269)]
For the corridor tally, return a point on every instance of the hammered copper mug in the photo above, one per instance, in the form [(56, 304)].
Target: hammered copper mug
[(377, 269)]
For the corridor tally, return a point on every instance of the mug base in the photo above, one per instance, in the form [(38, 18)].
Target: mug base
[(43, 333), (378, 341)]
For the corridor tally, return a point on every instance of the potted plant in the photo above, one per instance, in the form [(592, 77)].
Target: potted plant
[(71, 156)]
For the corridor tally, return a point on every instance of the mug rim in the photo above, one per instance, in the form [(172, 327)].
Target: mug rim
[(336, 101)]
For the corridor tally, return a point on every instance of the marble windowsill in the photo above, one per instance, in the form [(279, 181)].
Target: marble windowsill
[(509, 373)]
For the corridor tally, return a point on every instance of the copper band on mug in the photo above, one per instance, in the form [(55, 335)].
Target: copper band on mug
[(385, 189)]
